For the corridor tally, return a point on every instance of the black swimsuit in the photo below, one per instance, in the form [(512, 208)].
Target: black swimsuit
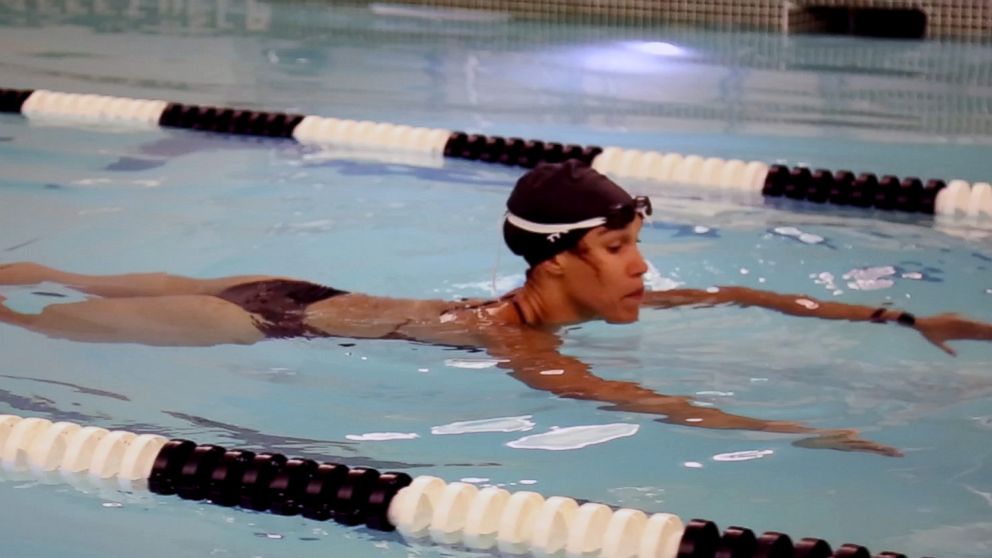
[(281, 304)]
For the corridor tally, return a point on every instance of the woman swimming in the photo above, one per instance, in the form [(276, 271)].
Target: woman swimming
[(578, 232)]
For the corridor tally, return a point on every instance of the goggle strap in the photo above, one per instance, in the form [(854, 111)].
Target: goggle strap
[(560, 228)]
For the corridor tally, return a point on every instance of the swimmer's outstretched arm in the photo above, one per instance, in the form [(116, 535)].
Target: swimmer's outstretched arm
[(938, 329), (537, 363), (125, 285)]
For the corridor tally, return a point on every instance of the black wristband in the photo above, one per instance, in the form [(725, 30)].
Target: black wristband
[(906, 319)]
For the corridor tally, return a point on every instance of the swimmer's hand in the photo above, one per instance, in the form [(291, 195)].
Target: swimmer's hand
[(24, 273), (942, 328), (6, 314), (846, 440)]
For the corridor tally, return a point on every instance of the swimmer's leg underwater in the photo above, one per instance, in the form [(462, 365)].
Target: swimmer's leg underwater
[(170, 320)]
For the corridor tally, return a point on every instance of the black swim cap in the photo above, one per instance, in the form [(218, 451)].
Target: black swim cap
[(570, 194)]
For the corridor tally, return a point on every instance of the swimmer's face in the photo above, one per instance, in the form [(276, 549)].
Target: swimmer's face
[(604, 275)]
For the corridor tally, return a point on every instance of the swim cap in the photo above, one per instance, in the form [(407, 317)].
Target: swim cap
[(554, 205)]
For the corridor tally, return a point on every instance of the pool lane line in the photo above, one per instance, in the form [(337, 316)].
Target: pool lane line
[(449, 514), (819, 186)]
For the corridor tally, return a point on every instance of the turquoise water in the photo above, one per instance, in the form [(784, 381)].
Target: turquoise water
[(94, 200)]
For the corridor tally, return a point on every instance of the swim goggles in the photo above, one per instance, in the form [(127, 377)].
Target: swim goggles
[(617, 217)]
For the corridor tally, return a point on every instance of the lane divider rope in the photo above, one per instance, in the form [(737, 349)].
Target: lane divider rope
[(92, 108), (449, 514), (865, 190)]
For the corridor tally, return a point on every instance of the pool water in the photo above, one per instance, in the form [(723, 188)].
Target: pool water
[(92, 199)]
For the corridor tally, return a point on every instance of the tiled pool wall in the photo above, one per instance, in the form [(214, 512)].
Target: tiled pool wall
[(945, 19), (928, 78), (943, 107)]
